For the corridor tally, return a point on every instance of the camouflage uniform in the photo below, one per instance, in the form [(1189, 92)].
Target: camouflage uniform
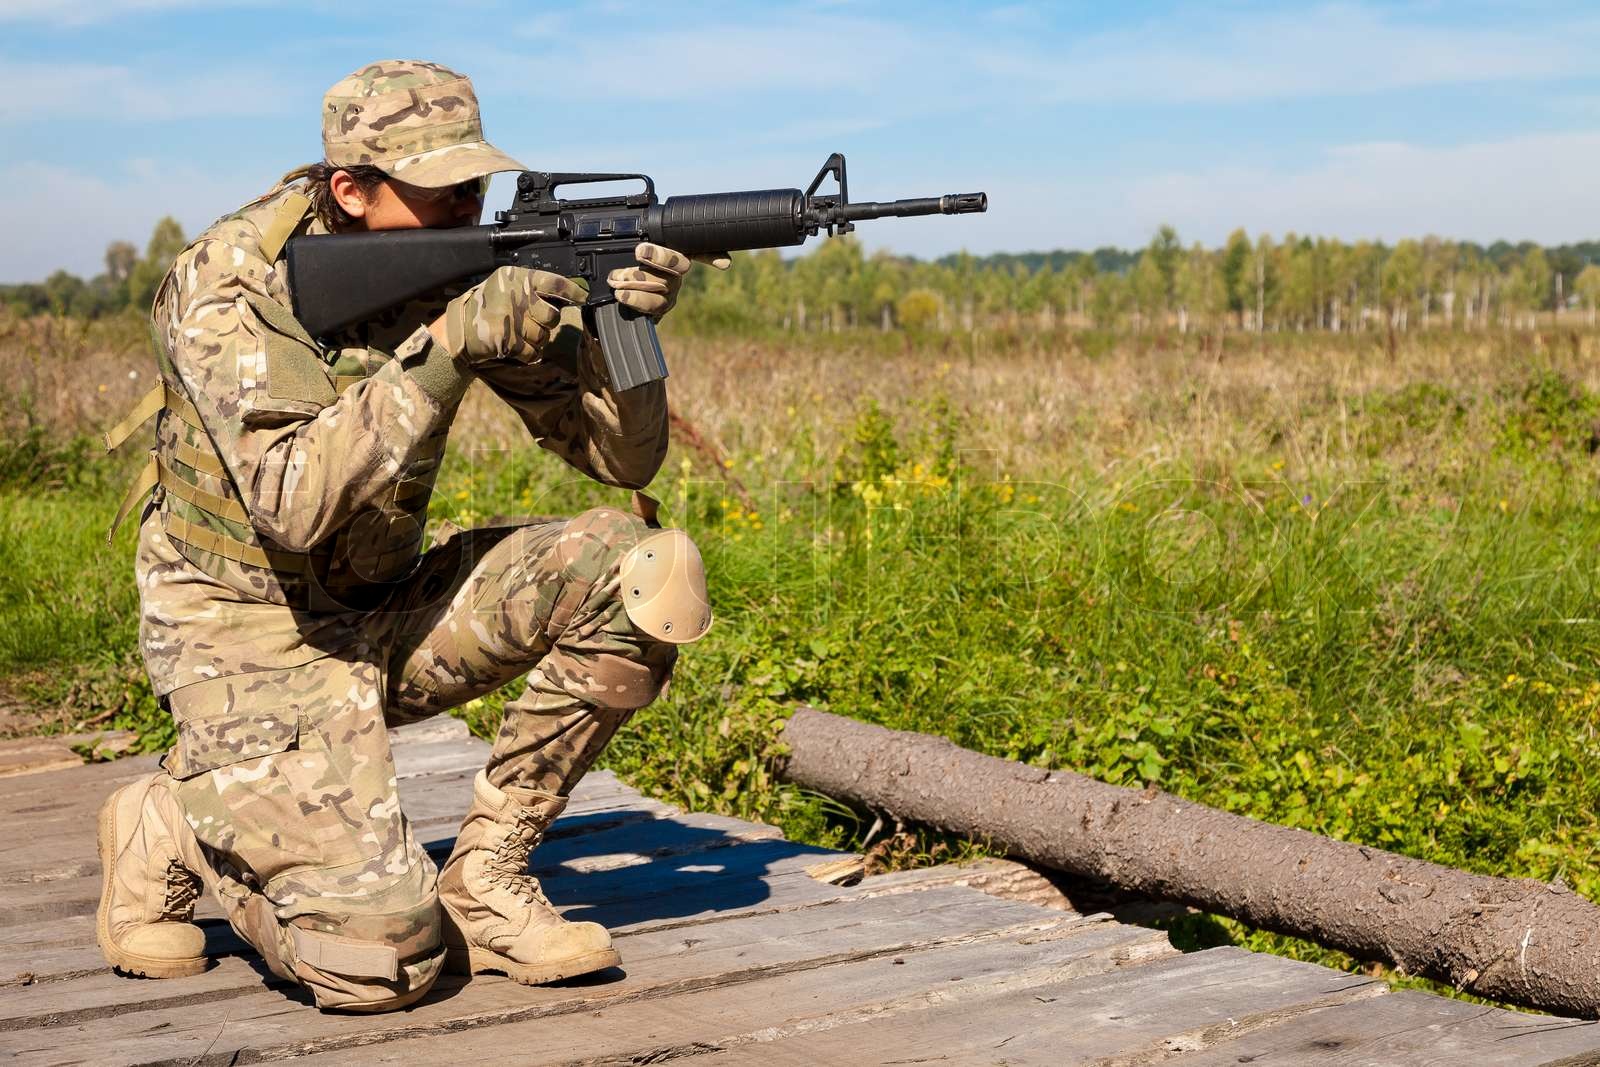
[(289, 614)]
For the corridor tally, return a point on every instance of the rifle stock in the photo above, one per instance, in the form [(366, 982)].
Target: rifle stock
[(340, 279)]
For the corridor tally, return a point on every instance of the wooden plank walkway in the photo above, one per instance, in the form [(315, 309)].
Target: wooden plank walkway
[(732, 953)]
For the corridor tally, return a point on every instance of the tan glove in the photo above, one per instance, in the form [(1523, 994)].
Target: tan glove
[(652, 287), (512, 314)]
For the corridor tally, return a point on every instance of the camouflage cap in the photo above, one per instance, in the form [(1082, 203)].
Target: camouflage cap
[(414, 121)]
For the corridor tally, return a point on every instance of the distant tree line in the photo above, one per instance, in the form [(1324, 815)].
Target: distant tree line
[(130, 280), (1260, 284)]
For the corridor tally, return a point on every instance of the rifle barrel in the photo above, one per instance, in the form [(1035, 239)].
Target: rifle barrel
[(950, 204)]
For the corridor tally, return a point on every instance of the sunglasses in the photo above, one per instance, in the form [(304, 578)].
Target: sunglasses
[(471, 189)]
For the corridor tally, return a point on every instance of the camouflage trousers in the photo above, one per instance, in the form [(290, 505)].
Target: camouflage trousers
[(287, 778)]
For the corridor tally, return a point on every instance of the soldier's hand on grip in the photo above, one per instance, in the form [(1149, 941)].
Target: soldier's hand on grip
[(512, 314), (652, 287)]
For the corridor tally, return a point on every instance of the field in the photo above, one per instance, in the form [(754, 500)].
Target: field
[(1332, 581)]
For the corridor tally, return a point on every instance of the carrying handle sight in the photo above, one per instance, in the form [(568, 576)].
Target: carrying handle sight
[(540, 185)]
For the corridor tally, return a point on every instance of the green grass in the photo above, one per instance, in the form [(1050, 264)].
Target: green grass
[(68, 646), (65, 594), (1395, 642), (1347, 657)]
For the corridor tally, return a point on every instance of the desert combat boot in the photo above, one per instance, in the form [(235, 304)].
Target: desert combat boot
[(149, 859), (496, 918)]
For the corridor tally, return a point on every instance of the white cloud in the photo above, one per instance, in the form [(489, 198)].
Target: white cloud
[(55, 217), (1538, 187), (716, 59), (1329, 50), (544, 24), (818, 129), (1201, 56), (88, 12), (111, 91)]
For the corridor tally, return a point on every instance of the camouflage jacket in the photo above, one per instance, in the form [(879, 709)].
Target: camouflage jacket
[(323, 460)]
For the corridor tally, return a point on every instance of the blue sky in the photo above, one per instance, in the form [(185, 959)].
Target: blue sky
[(1087, 123)]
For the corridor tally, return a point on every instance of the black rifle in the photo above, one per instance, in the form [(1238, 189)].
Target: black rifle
[(341, 279)]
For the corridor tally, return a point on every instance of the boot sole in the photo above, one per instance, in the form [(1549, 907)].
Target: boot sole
[(120, 958), (483, 961)]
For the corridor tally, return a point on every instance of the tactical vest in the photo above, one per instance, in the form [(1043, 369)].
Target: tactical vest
[(202, 510)]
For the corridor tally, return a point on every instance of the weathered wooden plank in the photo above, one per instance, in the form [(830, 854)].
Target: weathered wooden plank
[(1410, 1028), (62, 845), (1150, 1010), (748, 878), (615, 841), (422, 750), (962, 976), (661, 961), (439, 800), (43, 949), (54, 865), (438, 728), (582, 844), (35, 755), (51, 791), (54, 943), (44, 901), (107, 992), (997, 877)]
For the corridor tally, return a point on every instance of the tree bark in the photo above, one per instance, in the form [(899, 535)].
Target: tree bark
[(1513, 940), (1261, 291)]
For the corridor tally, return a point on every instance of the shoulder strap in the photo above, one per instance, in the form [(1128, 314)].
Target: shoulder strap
[(281, 319), (160, 396), (149, 475), (148, 405), (288, 216)]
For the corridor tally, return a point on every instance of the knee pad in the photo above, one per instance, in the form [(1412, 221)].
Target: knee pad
[(367, 960), (664, 588)]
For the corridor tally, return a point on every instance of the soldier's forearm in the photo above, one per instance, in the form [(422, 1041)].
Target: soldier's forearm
[(432, 366), (622, 436), (626, 440)]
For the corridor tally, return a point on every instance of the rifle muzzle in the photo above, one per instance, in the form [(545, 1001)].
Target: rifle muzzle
[(949, 204)]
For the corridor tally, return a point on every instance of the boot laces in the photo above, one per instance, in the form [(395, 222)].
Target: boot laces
[(510, 866), (525, 887), (183, 888)]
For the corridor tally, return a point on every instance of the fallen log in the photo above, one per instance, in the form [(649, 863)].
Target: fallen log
[(1509, 939)]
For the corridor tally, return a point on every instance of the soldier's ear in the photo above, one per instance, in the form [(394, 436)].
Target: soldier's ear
[(347, 194)]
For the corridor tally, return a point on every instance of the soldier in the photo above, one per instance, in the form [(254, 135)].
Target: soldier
[(289, 615)]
